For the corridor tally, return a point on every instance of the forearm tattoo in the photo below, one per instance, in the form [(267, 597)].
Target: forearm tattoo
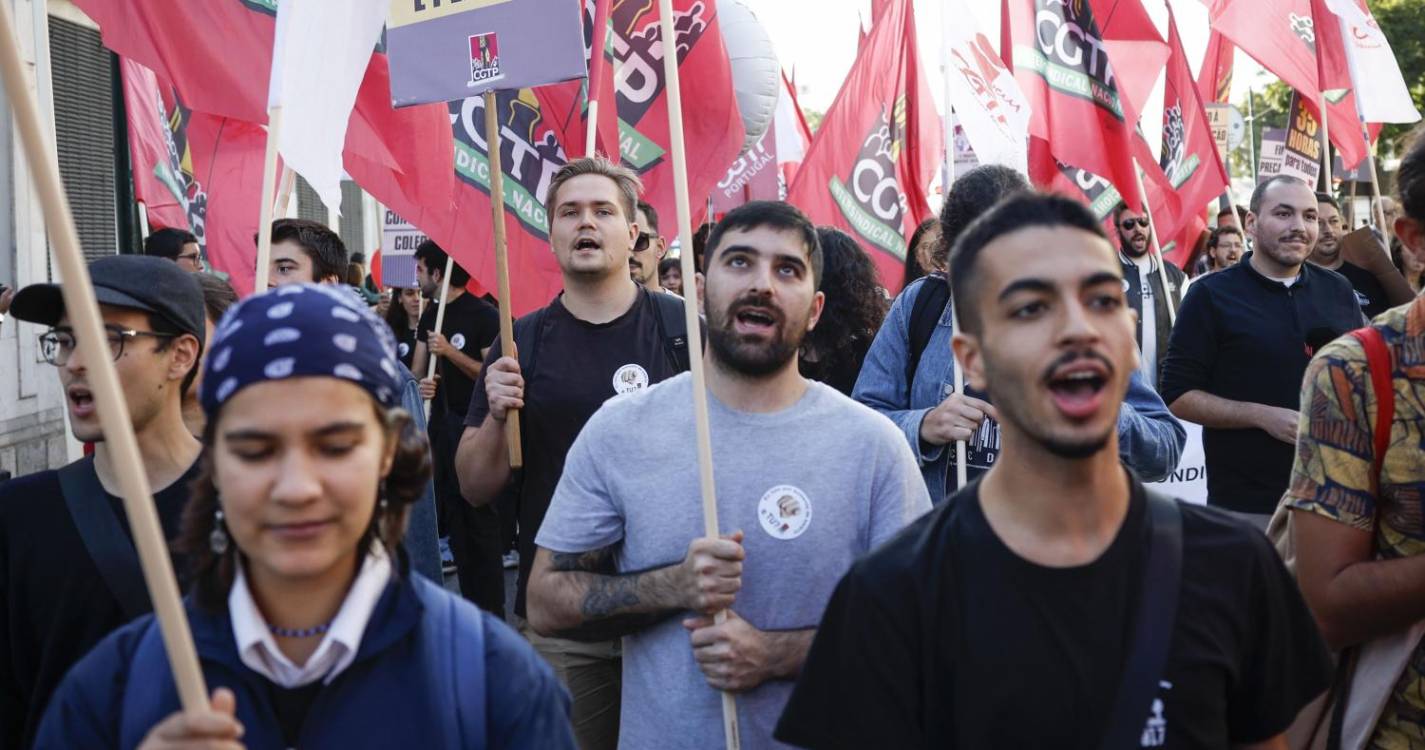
[(608, 595)]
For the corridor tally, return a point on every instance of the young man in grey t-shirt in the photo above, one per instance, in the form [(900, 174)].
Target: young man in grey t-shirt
[(807, 479)]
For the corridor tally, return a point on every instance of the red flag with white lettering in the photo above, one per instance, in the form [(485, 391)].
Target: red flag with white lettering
[(872, 161), (1084, 107), (566, 105)]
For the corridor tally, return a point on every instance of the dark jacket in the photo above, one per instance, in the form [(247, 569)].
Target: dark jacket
[(1163, 323), (432, 672)]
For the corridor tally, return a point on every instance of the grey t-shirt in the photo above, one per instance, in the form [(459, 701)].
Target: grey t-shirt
[(811, 487)]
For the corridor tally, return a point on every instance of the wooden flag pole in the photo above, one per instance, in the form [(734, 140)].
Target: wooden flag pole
[(284, 192), (1326, 164), (1378, 209), (264, 212), (83, 311), (439, 320), (962, 447), (1156, 249), (690, 311), (502, 264)]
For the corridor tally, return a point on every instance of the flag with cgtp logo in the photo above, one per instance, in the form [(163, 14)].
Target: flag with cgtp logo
[(870, 165), (441, 52), (1084, 106), (712, 126), (1214, 83)]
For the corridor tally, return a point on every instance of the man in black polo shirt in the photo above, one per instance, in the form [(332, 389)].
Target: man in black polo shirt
[(1241, 345), (1014, 615), (1327, 254), (468, 329), (602, 336), (56, 599)]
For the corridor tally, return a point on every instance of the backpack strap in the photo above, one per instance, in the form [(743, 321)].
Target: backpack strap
[(930, 301), (455, 642), (673, 327), (1153, 623), (1382, 370), (108, 546)]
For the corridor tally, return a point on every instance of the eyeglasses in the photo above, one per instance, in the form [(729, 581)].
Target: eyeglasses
[(193, 258), (57, 345), (642, 242), (1128, 224)]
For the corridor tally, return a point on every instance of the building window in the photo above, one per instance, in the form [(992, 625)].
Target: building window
[(83, 72)]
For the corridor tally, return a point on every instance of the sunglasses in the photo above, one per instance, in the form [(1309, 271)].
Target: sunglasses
[(642, 242), (1128, 224)]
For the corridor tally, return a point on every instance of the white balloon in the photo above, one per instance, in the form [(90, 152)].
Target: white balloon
[(756, 71)]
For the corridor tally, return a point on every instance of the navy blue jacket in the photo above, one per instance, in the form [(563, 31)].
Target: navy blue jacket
[(432, 672), (1245, 337)]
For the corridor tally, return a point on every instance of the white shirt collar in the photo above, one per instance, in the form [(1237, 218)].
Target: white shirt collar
[(258, 649)]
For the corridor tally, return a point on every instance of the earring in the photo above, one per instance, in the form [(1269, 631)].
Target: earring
[(218, 538), (381, 504)]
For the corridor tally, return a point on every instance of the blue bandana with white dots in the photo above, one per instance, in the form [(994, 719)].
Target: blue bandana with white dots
[(296, 331)]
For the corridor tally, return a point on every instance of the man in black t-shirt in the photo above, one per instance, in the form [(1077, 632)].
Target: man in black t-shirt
[(1328, 255), (56, 600), (1005, 618), (469, 327), (602, 336)]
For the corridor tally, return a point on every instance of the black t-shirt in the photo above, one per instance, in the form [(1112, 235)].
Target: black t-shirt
[(406, 346), (54, 604), (577, 367), (1369, 291), (470, 324), (944, 638)]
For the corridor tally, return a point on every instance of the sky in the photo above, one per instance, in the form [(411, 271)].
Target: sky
[(816, 40)]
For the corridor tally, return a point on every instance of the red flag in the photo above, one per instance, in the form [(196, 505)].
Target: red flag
[(712, 126), (402, 157), (1084, 108), (1282, 36), (1193, 169), (1214, 83), (159, 182), (566, 104), (227, 156), (870, 164)]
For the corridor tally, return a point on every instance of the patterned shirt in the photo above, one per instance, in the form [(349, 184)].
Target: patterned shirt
[(1334, 461)]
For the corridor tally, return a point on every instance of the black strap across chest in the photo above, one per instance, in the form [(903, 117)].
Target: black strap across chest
[(108, 546)]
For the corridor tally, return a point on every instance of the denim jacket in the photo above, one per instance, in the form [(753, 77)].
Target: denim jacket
[(420, 540), (1150, 439)]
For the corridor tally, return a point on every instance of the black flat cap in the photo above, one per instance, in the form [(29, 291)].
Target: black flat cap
[(138, 282)]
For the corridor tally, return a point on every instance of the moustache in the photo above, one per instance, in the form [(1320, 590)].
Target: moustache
[(1068, 358)]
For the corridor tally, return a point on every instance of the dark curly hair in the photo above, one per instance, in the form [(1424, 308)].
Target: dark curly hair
[(212, 575), (855, 306), (972, 194)]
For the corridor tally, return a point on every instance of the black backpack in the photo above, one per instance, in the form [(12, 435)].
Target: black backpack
[(930, 304), (668, 314)]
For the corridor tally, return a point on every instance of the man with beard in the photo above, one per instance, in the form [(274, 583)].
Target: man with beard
[(1224, 248), (808, 479), (648, 249), (1145, 288), (1327, 254), (1036, 607), (601, 337), (1241, 345)]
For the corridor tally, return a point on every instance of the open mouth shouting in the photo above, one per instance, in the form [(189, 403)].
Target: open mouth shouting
[(754, 320), (587, 244), (1078, 387), (81, 401)]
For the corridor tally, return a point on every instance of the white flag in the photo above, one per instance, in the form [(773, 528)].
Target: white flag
[(1381, 93), (319, 59), (988, 102)]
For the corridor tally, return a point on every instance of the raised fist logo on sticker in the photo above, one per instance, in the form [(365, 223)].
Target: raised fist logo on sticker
[(630, 378), (784, 512)]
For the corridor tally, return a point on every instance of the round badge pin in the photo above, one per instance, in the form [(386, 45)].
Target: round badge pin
[(784, 512), (458, 341), (630, 378)]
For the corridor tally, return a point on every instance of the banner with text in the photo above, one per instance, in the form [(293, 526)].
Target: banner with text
[(399, 240)]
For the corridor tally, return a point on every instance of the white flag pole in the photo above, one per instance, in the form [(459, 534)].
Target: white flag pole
[(1156, 248), (439, 320), (264, 212), (690, 310), (83, 311)]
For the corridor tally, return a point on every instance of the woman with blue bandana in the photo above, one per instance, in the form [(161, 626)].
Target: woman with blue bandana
[(309, 626)]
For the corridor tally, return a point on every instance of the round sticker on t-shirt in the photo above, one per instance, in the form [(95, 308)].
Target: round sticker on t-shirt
[(630, 378), (458, 341), (785, 512), (403, 349)]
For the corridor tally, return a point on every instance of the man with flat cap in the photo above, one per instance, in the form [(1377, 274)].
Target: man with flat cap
[(69, 573)]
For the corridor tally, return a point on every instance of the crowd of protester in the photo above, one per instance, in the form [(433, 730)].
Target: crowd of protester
[(333, 471)]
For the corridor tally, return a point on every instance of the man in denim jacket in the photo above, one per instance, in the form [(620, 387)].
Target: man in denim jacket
[(932, 416)]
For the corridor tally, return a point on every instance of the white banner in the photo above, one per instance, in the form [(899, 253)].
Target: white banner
[(399, 240), (1381, 93), (1189, 481), (983, 93)]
